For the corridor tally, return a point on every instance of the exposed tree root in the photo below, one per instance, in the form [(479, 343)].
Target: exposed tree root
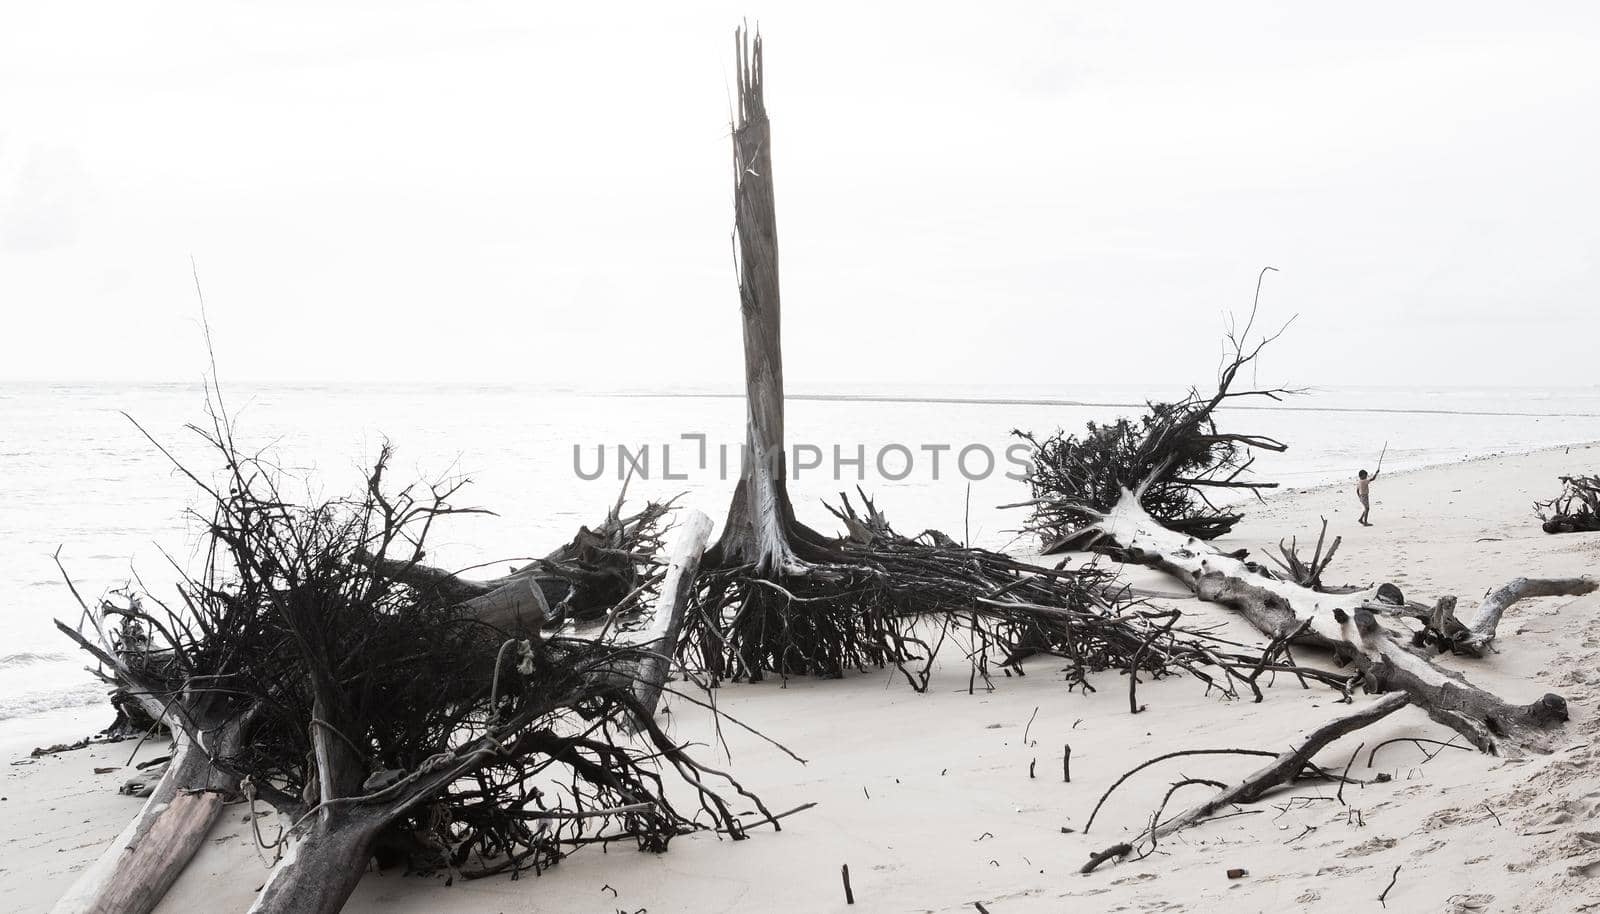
[(1175, 454), (894, 602), (316, 664), (604, 570), (1575, 510), (779, 597), (1074, 507)]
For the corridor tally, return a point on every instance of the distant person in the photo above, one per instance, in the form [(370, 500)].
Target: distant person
[(1362, 492)]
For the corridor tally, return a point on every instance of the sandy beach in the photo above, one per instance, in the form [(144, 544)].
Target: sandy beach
[(936, 801), (412, 416)]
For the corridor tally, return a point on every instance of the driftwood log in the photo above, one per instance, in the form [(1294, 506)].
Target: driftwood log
[(1485, 621), (1283, 769), (392, 710), (597, 573), (658, 640), (1151, 523), (135, 871), (1347, 624)]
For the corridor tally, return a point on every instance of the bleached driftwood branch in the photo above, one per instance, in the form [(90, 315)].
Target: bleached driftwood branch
[(135, 871), (1346, 623), (1281, 770), (1485, 621), (660, 638)]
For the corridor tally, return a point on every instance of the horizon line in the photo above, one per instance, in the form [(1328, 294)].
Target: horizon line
[(1007, 401)]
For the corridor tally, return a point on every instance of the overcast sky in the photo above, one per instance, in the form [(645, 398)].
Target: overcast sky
[(987, 194)]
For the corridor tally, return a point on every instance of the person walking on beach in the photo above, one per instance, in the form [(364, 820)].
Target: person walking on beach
[(1362, 493)]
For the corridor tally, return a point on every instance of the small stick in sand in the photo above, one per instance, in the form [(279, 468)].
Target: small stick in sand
[(849, 896), (1115, 850), (1345, 777), (1392, 879), (1066, 763)]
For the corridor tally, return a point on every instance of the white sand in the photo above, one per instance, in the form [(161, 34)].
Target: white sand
[(928, 798)]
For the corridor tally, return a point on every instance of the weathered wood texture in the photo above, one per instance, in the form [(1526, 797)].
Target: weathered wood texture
[(133, 874), (660, 637), (1346, 623), (761, 528)]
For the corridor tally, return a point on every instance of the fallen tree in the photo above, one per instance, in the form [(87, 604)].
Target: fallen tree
[(1575, 510), (394, 711), (1345, 622), (601, 572), (1175, 455), (178, 690), (135, 871)]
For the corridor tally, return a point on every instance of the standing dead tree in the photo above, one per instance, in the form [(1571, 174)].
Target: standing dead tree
[(1346, 622), (777, 596), (385, 708), (761, 529), (1575, 510)]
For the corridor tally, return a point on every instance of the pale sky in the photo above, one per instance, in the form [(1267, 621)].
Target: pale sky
[(976, 194)]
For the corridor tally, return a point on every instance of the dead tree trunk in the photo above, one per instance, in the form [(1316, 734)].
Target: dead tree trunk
[(516, 604), (761, 528), (331, 845), (582, 579), (133, 874), (659, 639), (776, 596), (1345, 623), (320, 869), (656, 642)]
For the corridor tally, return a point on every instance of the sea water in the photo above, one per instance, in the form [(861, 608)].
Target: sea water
[(79, 476)]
